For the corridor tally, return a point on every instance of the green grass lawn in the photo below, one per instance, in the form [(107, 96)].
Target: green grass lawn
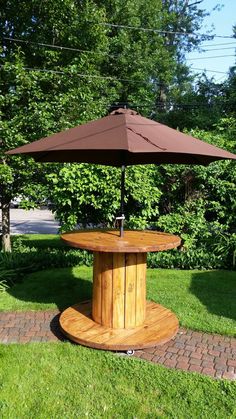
[(63, 380), (202, 300)]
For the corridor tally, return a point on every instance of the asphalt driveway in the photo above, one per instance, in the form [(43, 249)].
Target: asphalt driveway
[(38, 221)]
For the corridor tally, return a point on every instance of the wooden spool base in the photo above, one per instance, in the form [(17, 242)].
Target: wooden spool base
[(159, 327)]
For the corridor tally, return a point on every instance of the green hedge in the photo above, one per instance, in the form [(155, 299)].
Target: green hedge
[(35, 253)]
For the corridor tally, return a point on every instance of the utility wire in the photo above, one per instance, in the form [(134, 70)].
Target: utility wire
[(158, 104), (217, 49), (217, 45), (209, 71), (153, 106), (41, 44), (61, 48), (147, 105), (161, 31), (90, 52), (204, 58), (219, 79), (43, 70)]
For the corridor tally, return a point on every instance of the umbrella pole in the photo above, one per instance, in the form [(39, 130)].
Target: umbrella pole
[(122, 195)]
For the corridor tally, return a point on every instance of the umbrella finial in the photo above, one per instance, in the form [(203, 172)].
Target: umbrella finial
[(124, 110)]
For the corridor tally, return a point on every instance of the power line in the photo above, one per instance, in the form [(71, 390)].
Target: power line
[(41, 44), (204, 58), (161, 31), (159, 104), (219, 79), (105, 77), (43, 70), (209, 71), (218, 49), (87, 51), (156, 105), (217, 45), (61, 48)]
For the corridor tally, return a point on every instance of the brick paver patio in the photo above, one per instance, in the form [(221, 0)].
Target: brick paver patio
[(213, 355)]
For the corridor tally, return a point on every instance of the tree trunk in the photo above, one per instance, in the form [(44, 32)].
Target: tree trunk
[(161, 100), (6, 240)]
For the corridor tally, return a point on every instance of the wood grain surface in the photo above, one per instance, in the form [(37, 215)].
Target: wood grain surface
[(97, 288), (130, 290), (77, 324), (133, 241), (141, 288), (119, 289), (118, 319)]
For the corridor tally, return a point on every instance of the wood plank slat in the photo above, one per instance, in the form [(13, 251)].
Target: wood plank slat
[(140, 308), (130, 290), (97, 287), (160, 326), (118, 321), (106, 282)]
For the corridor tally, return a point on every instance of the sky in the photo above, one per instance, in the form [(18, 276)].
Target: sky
[(223, 22)]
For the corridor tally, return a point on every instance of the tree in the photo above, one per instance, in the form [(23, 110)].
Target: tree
[(46, 89), (201, 104), (150, 62), (34, 102), (229, 90), (198, 202), (142, 61), (90, 195)]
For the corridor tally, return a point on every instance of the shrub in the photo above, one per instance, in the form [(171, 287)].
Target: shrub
[(24, 260)]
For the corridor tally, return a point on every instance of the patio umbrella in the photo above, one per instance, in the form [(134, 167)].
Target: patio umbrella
[(120, 139)]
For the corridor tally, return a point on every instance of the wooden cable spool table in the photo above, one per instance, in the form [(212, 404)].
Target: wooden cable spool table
[(119, 317)]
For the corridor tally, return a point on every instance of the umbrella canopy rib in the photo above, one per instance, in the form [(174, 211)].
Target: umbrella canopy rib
[(123, 134)]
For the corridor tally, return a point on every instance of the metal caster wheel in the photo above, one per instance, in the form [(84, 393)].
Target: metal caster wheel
[(130, 352)]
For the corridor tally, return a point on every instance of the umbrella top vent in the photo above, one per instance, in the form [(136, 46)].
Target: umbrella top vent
[(125, 111)]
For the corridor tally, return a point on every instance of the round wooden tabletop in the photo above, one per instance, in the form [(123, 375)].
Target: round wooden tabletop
[(133, 241)]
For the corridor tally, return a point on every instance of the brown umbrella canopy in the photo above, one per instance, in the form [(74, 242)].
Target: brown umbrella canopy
[(123, 138)]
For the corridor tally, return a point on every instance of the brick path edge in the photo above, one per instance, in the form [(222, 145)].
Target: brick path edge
[(212, 355)]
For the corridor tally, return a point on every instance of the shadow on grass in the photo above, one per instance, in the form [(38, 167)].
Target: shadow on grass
[(216, 292), (60, 287)]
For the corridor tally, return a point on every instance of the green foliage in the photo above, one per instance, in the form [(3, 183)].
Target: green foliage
[(190, 259), (3, 283), (229, 92), (154, 62), (197, 104), (90, 194), (35, 103), (201, 237), (198, 203), (5, 277), (5, 174), (31, 257), (195, 202), (115, 65)]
